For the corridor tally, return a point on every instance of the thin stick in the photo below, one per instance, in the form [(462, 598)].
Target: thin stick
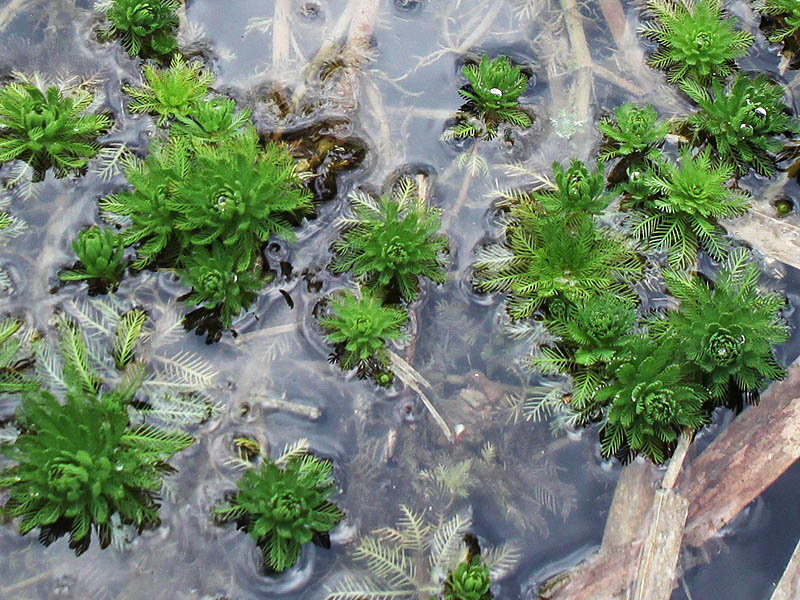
[(280, 33), (409, 376)]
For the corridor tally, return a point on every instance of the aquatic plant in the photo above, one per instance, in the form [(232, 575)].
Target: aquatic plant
[(284, 508), (360, 327), (543, 260), (391, 241), (727, 329), (145, 26), (741, 122), (15, 358), (651, 397), (82, 463), (235, 193), (679, 213), (49, 128), (495, 86), (633, 131), (592, 334), (469, 581), (100, 252), (787, 13), (217, 283), (696, 41), (173, 92), (211, 121), (413, 560), (577, 193)]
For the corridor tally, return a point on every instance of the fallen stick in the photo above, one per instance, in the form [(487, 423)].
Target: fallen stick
[(750, 454)]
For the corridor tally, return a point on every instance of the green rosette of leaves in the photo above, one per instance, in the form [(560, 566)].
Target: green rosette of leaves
[(697, 41), (391, 242), (175, 92), (495, 86), (284, 508), (469, 581), (217, 284), (650, 399), (146, 27), (593, 332), (727, 330), (677, 208), (238, 195), (543, 260), (361, 327), (742, 123), (578, 192), (79, 463), (633, 131), (100, 252), (50, 128)]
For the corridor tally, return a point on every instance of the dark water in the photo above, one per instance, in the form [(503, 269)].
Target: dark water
[(547, 494)]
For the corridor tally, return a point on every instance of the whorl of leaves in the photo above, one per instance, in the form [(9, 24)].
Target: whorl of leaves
[(284, 508), (697, 41), (742, 123), (392, 241)]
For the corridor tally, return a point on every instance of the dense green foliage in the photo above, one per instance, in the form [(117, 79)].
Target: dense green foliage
[(284, 508), (726, 330), (593, 333), (176, 92), (82, 463), (578, 192), (542, 260), (741, 122), (146, 27), (391, 241), (361, 327), (218, 283), (211, 121), (205, 208), (682, 204), (634, 131), (100, 253), (495, 86), (48, 128), (696, 41), (651, 397), (469, 581)]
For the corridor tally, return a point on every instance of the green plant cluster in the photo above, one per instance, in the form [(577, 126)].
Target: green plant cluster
[(49, 127), (643, 377), (492, 94), (696, 41), (634, 132), (82, 462), (203, 201), (741, 122), (283, 507), (100, 252), (555, 248), (388, 244), (469, 581), (146, 27)]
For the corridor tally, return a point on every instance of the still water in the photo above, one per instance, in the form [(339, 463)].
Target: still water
[(384, 102)]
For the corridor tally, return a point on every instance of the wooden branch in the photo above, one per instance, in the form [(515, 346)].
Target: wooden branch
[(752, 452)]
